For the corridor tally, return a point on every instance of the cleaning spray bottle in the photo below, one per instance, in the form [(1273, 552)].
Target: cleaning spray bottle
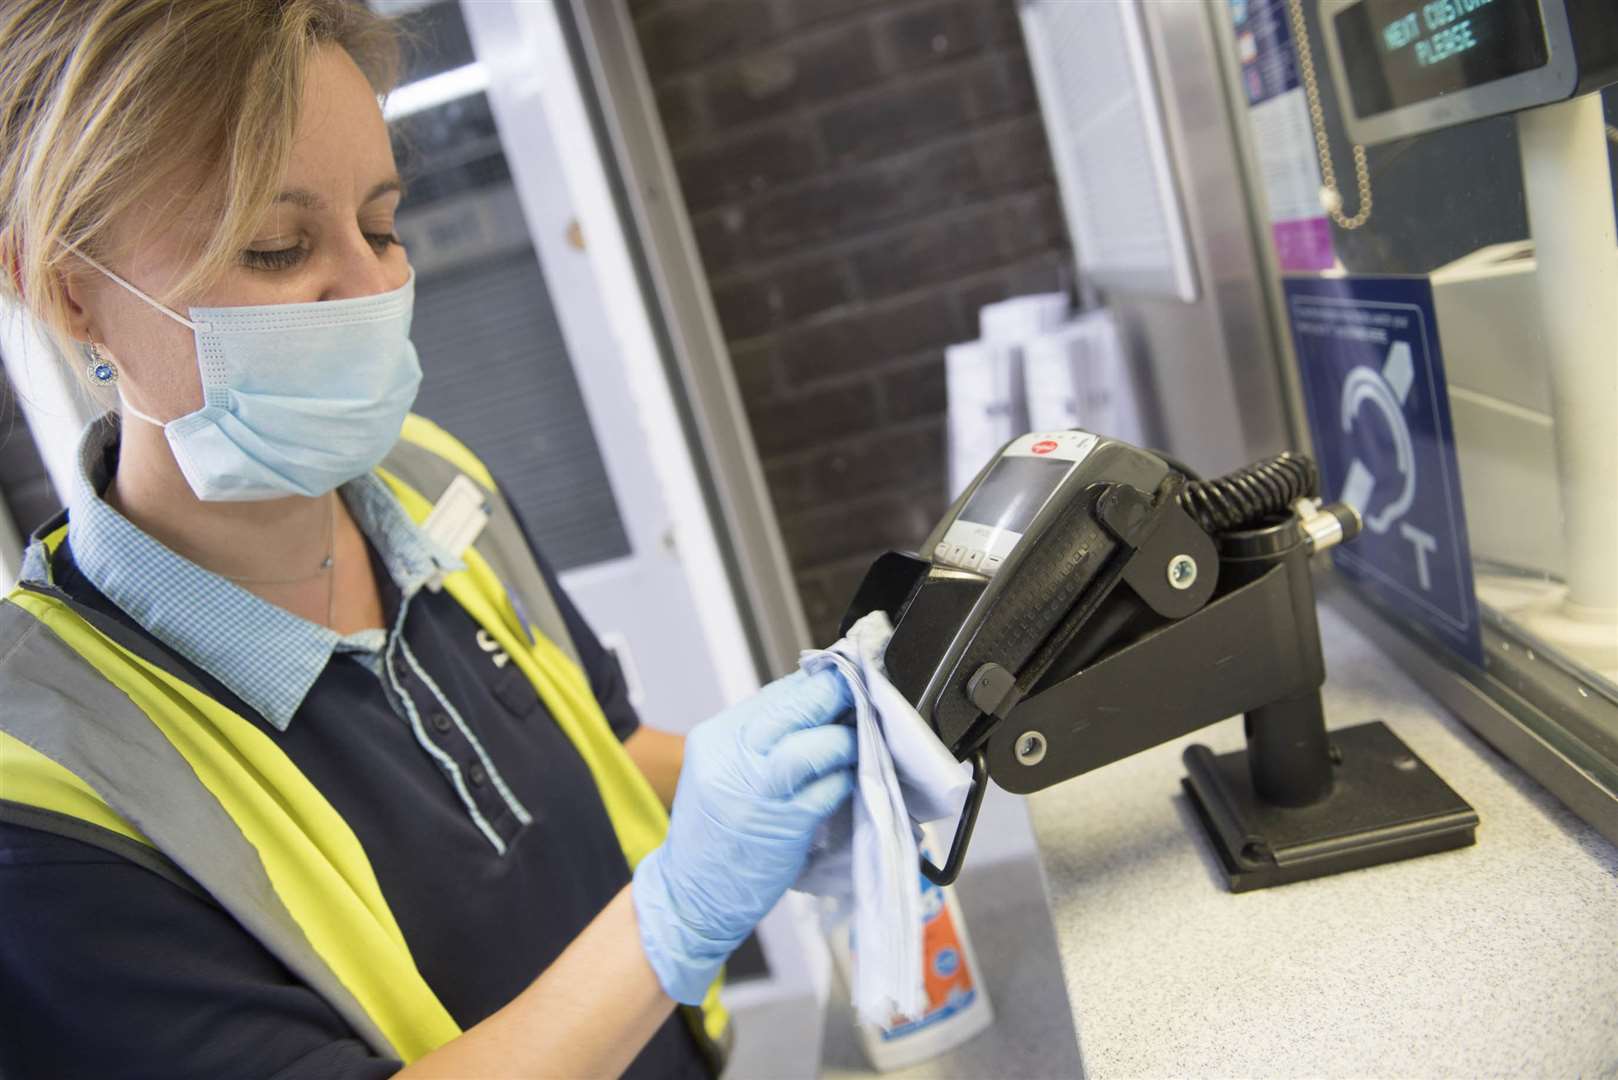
[(957, 1001)]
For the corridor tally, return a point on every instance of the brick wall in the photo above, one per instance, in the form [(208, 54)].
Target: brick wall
[(862, 176)]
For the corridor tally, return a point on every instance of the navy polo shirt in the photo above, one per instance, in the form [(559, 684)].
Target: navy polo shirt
[(108, 969)]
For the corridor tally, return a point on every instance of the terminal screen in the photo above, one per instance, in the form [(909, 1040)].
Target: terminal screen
[(1399, 52), (1011, 495)]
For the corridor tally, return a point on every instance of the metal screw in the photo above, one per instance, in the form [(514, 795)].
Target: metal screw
[(1182, 571), (1031, 748)]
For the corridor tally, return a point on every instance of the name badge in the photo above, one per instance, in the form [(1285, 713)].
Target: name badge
[(457, 518)]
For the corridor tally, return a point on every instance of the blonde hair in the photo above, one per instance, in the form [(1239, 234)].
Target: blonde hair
[(100, 99)]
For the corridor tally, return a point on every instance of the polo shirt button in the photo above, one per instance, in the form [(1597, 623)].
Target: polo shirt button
[(441, 722), (477, 774)]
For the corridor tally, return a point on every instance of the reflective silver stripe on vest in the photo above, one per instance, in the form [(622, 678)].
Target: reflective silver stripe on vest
[(501, 543), (59, 704)]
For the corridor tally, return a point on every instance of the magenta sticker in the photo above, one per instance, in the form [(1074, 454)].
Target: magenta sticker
[(1303, 245)]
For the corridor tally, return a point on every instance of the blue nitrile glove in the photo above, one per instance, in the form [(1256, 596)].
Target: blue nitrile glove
[(757, 781)]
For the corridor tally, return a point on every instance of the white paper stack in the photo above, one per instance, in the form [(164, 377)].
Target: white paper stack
[(984, 379), (1013, 321), (1078, 375), (986, 406)]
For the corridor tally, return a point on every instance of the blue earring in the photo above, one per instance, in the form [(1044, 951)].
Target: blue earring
[(100, 369)]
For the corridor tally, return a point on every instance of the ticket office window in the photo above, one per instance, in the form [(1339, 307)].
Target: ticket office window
[(1455, 342)]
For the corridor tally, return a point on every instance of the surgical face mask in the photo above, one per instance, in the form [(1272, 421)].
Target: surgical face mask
[(297, 398)]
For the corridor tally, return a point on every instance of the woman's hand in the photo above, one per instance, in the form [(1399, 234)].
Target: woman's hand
[(758, 780)]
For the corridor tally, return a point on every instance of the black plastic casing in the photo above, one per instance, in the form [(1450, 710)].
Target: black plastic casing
[(948, 623)]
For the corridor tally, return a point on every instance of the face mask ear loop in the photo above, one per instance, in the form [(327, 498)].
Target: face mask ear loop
[(125, 407), (164, 308)]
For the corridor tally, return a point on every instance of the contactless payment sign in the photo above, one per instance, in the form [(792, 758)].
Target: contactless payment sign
[(1373, 381)]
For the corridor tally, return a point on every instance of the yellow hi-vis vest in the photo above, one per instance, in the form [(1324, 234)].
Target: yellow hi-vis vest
[(102, 739)]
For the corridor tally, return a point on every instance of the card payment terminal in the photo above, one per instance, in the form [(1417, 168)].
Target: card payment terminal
[(1085, 599)]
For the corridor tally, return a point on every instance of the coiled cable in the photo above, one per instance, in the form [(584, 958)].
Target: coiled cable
[(1247, 496)]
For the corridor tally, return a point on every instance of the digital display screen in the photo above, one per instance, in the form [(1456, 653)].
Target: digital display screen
[(1399, 52), (1011, 495)]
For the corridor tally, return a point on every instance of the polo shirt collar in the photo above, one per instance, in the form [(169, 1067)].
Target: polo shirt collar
[(265, 655)]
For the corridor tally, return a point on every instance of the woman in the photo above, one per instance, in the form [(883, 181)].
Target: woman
[(298, 779)]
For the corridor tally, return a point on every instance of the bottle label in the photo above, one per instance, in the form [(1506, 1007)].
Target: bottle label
[(949, 983)]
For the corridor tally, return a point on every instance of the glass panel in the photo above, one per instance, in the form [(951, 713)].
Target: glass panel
[(1457, 344), (497, 370)]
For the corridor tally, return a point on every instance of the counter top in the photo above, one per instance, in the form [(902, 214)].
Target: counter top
[(1500, 958)]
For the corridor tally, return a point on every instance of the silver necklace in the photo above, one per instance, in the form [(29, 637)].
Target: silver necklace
[(326, 565)]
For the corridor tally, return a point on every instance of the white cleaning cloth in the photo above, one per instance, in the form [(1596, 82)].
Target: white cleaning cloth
[(866, 856)]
